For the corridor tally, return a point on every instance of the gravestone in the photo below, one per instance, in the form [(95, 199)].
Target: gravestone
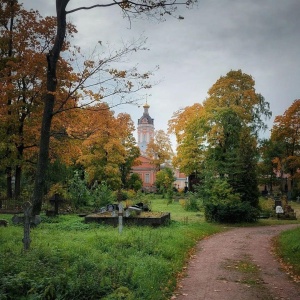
[(3, 223), (56, 200), (26, 220), (19, 219), (279, 210), (278, 202), (112, 207)]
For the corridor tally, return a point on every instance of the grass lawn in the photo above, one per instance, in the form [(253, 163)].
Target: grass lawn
[(73, 260), (288, 247)]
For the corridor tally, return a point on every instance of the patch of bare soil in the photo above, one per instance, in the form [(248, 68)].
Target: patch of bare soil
[(238, 265)]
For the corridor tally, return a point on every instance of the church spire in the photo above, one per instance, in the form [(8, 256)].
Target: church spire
[(145, 129)]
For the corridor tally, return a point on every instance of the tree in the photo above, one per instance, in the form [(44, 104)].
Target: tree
[(246, 183), (219, 139), (132, 151), (236, 91), (25, 38), (109, 150), (164, 180), (224, 143), (286, 132), (186, 124), (159, 149), (135, 182), (102, 150), (269, 151), (129, 8), (234, 113)]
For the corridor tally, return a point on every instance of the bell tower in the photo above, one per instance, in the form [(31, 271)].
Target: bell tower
[(145, 129)]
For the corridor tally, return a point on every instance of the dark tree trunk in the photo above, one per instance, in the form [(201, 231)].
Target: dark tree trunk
[(18, 181), (8, 170), (9, 192), (49, 100)]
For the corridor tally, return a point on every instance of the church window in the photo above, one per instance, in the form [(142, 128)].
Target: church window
[(147, 178)]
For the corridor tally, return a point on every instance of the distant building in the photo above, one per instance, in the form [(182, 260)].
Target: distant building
[(145, 167), (147, 172), (145, 129)]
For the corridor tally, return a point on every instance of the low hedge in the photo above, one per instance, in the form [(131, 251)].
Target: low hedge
[(236, 212)]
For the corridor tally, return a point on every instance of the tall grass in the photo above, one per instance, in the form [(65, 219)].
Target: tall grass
[(73, 260), (288, 248)]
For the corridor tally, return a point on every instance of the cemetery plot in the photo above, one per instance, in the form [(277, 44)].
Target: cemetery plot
[(138, 214), (283, 210)]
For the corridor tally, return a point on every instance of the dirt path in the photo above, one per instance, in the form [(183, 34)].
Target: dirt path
[(237, 265)]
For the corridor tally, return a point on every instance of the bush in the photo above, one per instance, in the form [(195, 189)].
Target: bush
[(135, 182), (103, 195), (266, 205), (78, 191), (192, 203), (235, 212)]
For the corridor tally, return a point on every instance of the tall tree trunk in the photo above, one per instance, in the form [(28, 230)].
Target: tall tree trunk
[(49, 100), (18, 174), (9, 191), (8, 169)]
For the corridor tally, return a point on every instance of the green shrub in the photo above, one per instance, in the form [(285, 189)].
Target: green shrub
[(135, 182), (193, 203), (102, 195), (266, 205), (235, 212), (121, 293), (78, 191)]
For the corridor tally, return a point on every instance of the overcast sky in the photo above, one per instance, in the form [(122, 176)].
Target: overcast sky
[(260, 37)]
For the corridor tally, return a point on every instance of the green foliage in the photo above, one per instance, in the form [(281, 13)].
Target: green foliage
[(226, 132), (216, 190), (288, 248), (58, 172), (246, 181), (164, 181), (135, 182), (221, 191), (73, 260), (235, 212), (192, 202), (78, 191), (266, 205), (102, 195), (223, 205), (121, 293), (132, 152), (268, 150)]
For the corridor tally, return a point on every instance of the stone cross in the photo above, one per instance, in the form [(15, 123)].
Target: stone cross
[(26, 220), (27, 214), (120, 214)]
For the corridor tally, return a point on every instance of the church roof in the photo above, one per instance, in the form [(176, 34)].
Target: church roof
[(145, 118), (146, 105)]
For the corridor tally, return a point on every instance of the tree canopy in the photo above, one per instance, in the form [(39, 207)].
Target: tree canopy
[(157, 9), (159, 149), (219, 138), (286, 135)]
